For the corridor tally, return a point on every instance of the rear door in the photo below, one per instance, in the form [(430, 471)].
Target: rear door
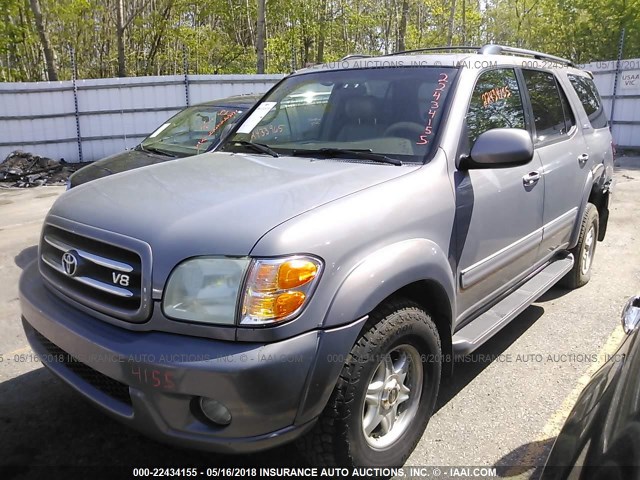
[(561, 149), (595, 127)]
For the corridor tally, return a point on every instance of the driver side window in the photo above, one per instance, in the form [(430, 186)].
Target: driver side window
[(495, 103)]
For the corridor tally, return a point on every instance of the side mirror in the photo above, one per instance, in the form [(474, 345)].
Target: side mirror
[(499, 148), (631, 315)]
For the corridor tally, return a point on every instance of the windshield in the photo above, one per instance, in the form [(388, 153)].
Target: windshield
[(194, 130), (393, 112)]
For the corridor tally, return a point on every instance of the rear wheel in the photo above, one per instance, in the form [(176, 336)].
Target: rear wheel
[(585, 250), (385, 394)]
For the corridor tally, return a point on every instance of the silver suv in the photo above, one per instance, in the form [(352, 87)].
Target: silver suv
[(366, 223)]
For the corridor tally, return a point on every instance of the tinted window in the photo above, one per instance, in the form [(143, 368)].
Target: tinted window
[(495, 103), (569, 117), (588, 95), (552, 115)]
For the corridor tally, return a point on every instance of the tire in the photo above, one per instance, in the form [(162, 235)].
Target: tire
[(584, 251), (400, 336)]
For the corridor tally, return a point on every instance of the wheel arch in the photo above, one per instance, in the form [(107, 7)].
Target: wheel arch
[(433, 298), (416, 267), (595, 193), (416, 270)]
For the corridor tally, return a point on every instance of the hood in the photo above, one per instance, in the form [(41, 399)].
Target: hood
[(120, 162), (215, 203)]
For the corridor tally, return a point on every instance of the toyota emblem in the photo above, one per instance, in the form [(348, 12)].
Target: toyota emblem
[(69, 263)]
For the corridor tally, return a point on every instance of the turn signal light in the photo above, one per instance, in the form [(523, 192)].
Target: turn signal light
[(295, 273), (277, 289), (273, 306)]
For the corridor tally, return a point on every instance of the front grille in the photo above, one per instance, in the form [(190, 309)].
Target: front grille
[(100, 275), (114, 389)]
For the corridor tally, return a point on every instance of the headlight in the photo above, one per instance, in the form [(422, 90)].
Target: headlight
[(278, 289), (208, 289), (205, 290)]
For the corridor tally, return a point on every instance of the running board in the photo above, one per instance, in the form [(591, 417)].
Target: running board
[(481, 329)]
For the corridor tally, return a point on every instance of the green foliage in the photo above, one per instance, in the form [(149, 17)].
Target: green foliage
[(219, 36)]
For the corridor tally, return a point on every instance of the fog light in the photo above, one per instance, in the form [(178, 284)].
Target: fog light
[(215, 411)]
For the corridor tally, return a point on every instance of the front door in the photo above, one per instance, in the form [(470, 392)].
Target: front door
[(498, 210)]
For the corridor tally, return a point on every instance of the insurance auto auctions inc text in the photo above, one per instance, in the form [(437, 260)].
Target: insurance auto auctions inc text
[(368, 472)]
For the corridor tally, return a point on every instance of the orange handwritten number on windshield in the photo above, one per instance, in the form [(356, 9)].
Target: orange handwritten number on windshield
[(227, 116)]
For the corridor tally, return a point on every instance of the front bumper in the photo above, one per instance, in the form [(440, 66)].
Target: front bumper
[(152, 380)]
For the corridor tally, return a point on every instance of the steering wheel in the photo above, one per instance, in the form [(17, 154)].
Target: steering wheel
[(410, 130)]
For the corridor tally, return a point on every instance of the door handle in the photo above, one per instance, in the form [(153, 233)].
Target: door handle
[(531, 179), (582, 159)]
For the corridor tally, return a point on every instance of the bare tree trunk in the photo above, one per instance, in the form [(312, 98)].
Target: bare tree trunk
[(49, 55), (260, 36), (321, 37), (464, 22), (451, 18), (250, 23), (122, 67), (402, 29), (156, 43)]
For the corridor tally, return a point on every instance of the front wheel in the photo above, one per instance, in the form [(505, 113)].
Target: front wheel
[(385, 394)]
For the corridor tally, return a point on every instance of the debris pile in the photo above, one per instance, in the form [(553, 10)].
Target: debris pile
[(21, 169)]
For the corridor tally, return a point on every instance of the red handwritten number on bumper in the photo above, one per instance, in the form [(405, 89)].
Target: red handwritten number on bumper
[(162, 379)]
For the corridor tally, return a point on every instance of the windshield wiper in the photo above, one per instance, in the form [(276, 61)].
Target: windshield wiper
[(258, 147), (348, 152), (155, 150)]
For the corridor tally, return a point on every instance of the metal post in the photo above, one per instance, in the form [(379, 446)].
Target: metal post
[(74, 75), (185, 66), (615, 80)]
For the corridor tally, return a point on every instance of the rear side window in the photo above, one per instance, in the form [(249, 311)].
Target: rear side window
[(495, 103), (588, 95), (552, 113)]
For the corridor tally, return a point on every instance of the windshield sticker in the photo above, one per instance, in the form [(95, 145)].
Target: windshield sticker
[(434, 106), (266, 131), (159, 130), (226, 116), (495, 94), (257, 115)]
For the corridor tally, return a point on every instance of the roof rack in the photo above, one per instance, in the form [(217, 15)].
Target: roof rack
[(488, 49), (354, 55), (492, 49), (418, 50), (434, 49)]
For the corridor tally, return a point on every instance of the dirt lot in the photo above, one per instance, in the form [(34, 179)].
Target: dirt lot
[(502, 410)]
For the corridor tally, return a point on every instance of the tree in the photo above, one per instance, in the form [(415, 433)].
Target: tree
[(260, 34), (145, 37), (451, 20), (402, 28), (122, 66), (49, 55)]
